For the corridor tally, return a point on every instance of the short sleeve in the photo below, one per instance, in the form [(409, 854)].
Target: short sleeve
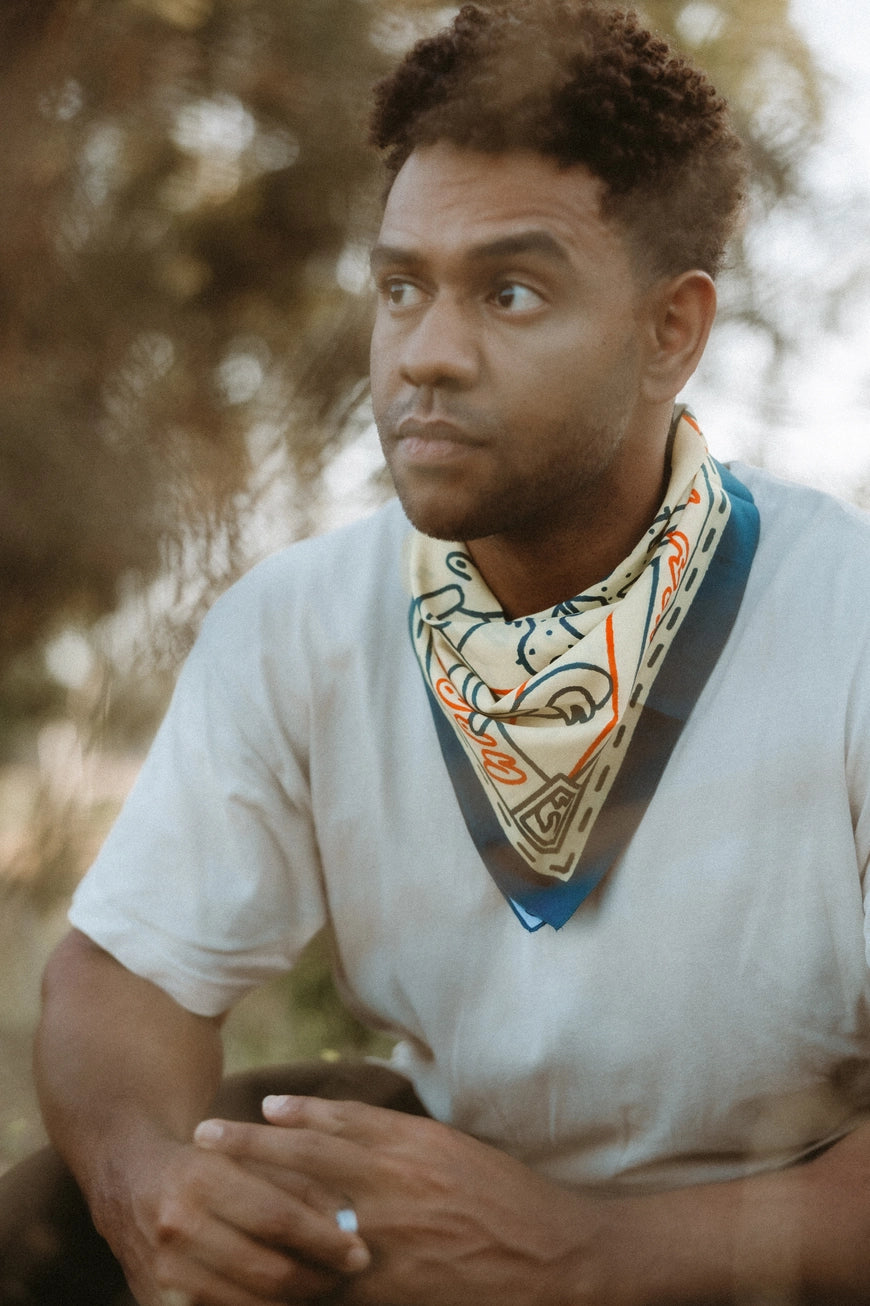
[(858, 770), (856, 650), (210, 881)]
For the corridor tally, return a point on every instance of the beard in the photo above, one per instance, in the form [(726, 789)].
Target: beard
[(499, 487)]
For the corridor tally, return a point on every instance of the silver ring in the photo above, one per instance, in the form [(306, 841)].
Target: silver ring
[(346, 1220)]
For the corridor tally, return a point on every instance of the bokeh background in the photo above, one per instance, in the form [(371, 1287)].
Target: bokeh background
[(186, 200)]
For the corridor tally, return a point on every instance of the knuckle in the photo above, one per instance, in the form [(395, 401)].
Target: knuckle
[(168, 1221), (280, 1230), (166, 1283), (311, 1194), (344, 1112), (174, 1297), (330, 1115), (176, 1217), (270, 1283), (280, 1279)]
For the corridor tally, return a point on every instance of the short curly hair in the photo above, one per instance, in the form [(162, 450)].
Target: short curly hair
[(585, 83)]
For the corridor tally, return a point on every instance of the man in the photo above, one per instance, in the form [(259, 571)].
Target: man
[(587, 828)]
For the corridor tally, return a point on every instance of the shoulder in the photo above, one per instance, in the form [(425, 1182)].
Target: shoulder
[(807, 532), (805, 619), (791, 506), (340, 558)]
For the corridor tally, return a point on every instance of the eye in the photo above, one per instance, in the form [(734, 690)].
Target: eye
[(401, 294), (517, 298)]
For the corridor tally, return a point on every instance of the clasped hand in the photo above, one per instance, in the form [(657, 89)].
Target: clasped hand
[(445, 1219)]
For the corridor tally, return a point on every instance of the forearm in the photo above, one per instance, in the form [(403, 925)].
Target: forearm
[(119, 1065), (125, 1075), (797, 1235)]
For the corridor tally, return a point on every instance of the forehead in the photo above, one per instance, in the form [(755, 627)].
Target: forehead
[(451, 200)]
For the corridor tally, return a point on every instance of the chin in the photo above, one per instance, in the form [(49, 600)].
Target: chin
[(438, 520), (450, 515), (437, 528)]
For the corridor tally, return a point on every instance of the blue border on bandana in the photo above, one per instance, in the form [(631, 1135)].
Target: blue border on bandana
[(681, 677)]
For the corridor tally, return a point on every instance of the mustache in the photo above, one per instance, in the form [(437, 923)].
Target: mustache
[(452, 419)]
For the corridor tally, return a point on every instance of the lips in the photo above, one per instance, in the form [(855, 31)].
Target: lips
[(431, 440), (433, 430)]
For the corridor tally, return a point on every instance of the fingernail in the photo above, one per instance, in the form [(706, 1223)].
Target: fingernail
[(208, 1131), (278, 1102), (358, 1258)]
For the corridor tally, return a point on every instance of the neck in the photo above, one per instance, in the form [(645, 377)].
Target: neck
[(538, 565)]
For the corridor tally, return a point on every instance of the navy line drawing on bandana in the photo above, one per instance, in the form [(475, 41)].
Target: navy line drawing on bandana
[(478, 725), (532, 655), (439, 608), (547, 816), (572, 703), (442, 607), (461, 564)]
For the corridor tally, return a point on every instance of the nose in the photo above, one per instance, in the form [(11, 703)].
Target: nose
[(440, 347)]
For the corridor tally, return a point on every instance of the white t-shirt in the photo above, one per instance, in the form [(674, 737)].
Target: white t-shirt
[(704, 1014)]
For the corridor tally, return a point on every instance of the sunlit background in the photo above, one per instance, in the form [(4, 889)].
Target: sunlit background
[(813, 424), (186, 203)]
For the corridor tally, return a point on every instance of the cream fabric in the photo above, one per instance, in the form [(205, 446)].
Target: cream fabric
[(545, 707)]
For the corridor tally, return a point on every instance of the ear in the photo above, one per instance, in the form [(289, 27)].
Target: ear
[(682, 310)]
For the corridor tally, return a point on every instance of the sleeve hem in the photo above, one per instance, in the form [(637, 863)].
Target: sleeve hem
[(145, 953)]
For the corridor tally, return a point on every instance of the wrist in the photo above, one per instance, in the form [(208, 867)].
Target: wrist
[(592, 1265), (634, 1251), (120, 1172), (672, 1247)]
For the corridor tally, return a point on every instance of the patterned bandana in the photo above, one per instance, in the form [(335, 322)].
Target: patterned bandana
[(544, 709)]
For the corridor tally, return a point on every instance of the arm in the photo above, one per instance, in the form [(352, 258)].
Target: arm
[(795, 1235), (124, 1074), (449, 1219)]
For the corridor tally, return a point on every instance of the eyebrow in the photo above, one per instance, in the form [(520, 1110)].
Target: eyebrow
[(524, 242)]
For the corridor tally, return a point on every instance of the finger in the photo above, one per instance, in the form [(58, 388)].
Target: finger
[(358, 1121), (191, 1281), (339, 1164), (231, 1142), (301, 1186), (268, 1214), (265, 1272)]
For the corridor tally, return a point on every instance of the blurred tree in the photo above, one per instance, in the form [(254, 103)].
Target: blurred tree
[(185, 204), (178, 184), (760, 61)]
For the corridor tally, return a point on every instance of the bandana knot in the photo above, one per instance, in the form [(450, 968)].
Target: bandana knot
[(543, 709)]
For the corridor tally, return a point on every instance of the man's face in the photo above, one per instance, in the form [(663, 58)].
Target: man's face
[(507, 354)]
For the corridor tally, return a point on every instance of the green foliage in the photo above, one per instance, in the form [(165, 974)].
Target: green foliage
[(180, 179), (762, 64), (298, 1017)]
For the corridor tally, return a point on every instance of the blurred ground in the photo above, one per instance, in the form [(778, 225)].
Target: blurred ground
[(20, 1127), (56, 804), (27, 935)]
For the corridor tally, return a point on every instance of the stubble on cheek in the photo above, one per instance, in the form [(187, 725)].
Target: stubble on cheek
[(436, 502)]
